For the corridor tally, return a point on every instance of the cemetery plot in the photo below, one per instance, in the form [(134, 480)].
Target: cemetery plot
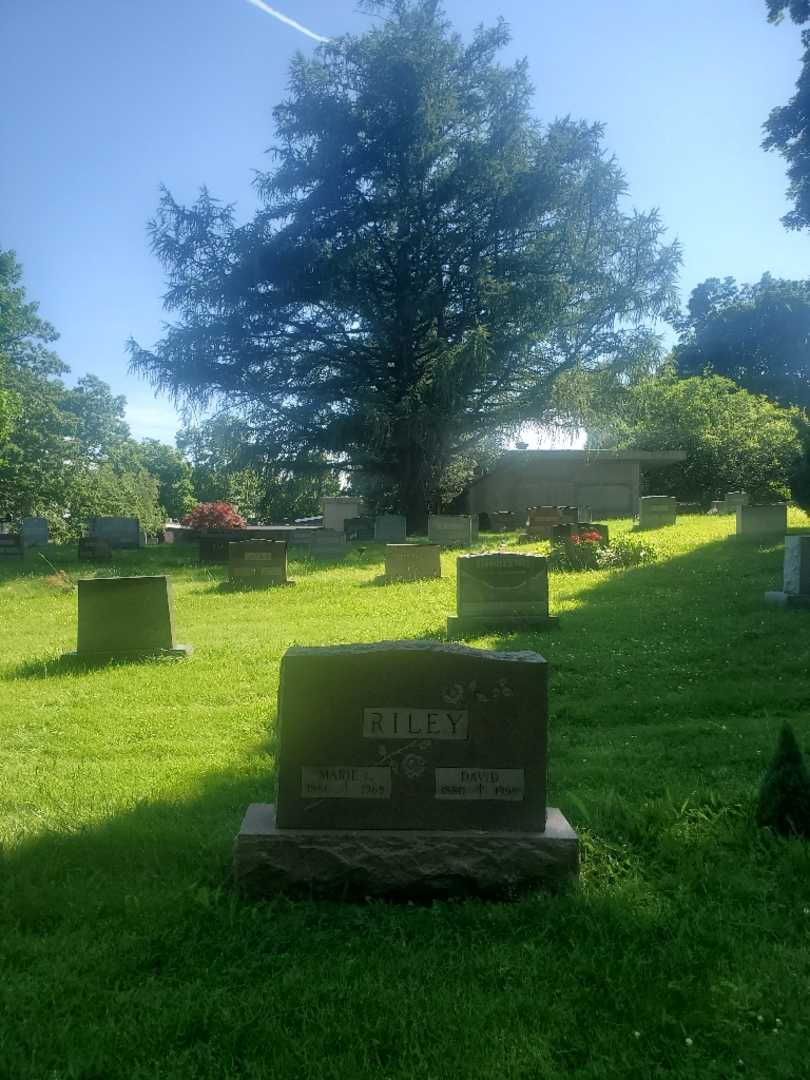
[(397, 761), (125, 616), (506, 590), (258, 562)]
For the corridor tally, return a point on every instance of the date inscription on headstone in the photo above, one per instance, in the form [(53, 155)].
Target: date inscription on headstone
[(345, 782), (406, 723), (505, 784)]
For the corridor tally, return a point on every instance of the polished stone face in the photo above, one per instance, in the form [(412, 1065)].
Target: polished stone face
[(258, 562), (452, 530), (412, 562), (502, 583), (390, 528), (797, 565), (412, 735), (125, 615)]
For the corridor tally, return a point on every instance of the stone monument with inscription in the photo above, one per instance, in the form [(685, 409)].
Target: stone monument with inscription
[(412, 562), (409, 768), (657, 511), (453, 530), (500, 591), (795, 575), (390, 529), (767, 520), (127, 616), (258, 562)]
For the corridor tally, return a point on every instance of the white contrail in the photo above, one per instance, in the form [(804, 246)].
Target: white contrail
[(260, 4)]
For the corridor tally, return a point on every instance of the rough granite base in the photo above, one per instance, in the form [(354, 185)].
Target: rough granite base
[(784, 599), (399, 863), (177, 650), (459, 625)]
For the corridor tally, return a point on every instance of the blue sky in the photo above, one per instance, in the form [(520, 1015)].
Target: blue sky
[(111, 98)]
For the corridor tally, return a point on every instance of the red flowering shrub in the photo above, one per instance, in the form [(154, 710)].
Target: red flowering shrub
[(589, 536), (214, 515)]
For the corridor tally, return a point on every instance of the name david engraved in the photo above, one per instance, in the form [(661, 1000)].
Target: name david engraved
[(403, 722)]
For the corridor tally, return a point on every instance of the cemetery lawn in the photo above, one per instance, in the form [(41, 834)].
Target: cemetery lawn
[(684, 951)]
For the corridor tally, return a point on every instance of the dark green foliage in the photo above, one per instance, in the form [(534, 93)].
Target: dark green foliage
[(758, 335), (788, 127), (426, 260), (784, 798)]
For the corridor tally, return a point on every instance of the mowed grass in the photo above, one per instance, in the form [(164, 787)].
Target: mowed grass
[(684, 951)]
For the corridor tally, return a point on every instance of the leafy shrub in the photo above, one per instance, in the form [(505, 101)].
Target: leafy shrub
[(625, 551), (215, 515), (784, 798), (578, 552)]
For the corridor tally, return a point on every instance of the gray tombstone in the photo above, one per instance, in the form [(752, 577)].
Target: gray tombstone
[(500, 590), (35, 532), (359, 528), (258, 562), (411, 768), (323, 543), (127, 616), (796, 574), (754, 522), (390, 529), (119, 532), (11, 546), (657, 511), (452, 530), (541, 521), (412, 562), (214, 548)]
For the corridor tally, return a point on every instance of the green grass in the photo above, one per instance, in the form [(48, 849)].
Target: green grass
[(125, 953)]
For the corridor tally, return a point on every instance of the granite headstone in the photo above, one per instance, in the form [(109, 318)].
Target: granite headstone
[(500, 590), (795, 574), (258, 562), (412, 562), (390, 529), (127, 616)]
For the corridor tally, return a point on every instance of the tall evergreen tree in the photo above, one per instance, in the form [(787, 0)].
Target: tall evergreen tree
[(426, 260)]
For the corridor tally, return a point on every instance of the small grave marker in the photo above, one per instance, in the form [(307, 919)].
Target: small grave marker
[(758, 521), (127, 616), (412, 562), (500, 590), (410, 768)]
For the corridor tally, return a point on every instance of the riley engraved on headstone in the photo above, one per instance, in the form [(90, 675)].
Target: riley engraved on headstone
[(767, 520), (11, 546), (504, 590), (127, 616), (452, 530), (656, 511), (94, 550), (35, 532), (412, 562), (796, 574), (390, 529), (258, 562), (408, 767)]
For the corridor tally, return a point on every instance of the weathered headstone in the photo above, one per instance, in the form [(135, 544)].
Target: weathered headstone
[(214, 549), (503, 521), (336, 508), (408, 768), (540, 522), (127, 616), (390, 529), (500, 590), (412, 562), (796, 574), (756, 521), (452, 530), (258, 562), (11, 546), (119, 532), (729, 505), (656, 511), (323, 543), (92, 550), (359, 528), (35, 532)]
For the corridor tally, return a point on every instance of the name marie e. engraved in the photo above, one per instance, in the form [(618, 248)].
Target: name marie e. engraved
[(345, 782), (402, 722)]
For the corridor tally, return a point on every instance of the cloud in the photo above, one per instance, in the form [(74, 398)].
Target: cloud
[(260, 4)]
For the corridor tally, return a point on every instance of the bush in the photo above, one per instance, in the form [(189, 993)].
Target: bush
[(215, 515), (784, 798), (625, 551), (577, 553)]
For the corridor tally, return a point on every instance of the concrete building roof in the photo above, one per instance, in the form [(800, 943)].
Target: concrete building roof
[(644, 457)]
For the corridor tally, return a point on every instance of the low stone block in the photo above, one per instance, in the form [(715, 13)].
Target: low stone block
[(412, 562), (390, 529), (346, 864), (11, 546), (336, 508), (258, 562), (35, 532), (758, 521), (127, 616), (657, 511)]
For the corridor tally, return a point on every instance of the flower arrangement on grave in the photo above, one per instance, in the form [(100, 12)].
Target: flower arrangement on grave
[(215, 515)]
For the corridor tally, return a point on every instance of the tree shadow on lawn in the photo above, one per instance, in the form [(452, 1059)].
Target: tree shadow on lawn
[(47, 667)]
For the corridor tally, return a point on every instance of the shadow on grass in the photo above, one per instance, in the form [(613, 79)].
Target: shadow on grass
[(47, 667)]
